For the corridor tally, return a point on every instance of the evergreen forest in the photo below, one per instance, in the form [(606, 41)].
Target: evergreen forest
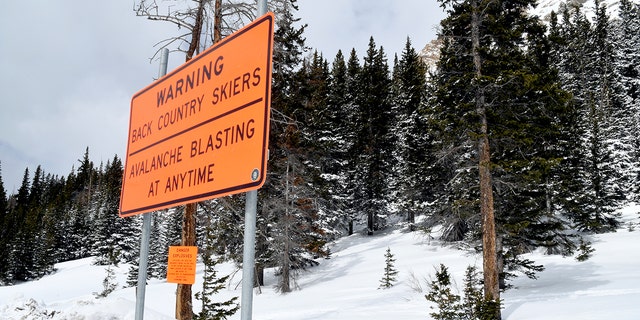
[(361, 142)]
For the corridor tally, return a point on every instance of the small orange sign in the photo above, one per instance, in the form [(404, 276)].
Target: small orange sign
[(202, 130), (182, 264)]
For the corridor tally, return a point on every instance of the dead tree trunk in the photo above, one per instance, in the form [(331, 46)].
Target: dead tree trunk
[(196, 32), (184, 304), (217, 22), (285, 283), (489, 255), (184, 298)]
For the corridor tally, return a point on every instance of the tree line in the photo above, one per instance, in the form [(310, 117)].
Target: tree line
[(364, 141)]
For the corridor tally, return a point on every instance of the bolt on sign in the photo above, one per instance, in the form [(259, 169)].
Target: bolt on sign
[(201, 131), (181, 267)]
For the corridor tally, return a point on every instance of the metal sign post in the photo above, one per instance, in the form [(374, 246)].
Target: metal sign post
[(249, 251), (248, 254), (146, 226)]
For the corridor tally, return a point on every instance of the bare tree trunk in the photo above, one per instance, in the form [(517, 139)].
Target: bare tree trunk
[(285, 284), (217, 22), (184, 301), (489, 256), (196, 31), (184, 304), (259, 275)]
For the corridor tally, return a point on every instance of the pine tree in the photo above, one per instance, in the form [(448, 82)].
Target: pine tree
[(132, 275), (5, 223), (29, 234), (158, 248), (293, 215), (498, 117), (288, 220), (450, 110), (612, 162), (584, 250), (173, 226), (412, 156), (473, 305), (336, 141), (56, 217), (586, 67), (213, 283), (39, 243), (373, 144), (289, 46), (82, 208), (390, 272), (224, 217), (110, 231), (108, 283), (320, 131), (626, 35), (440, 292), (35, 224), (132, 255), (564, 182), (472, 298), (19, 265), (65, 212), (353, 89)]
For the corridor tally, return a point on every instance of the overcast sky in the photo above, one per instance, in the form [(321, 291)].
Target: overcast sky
[(68, 69)]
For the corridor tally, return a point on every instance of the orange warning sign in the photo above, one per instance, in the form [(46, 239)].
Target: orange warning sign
[(182, 264), (202, 130)]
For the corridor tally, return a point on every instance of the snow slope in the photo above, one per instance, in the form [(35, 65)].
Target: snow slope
[(346, 286), (545, 7)]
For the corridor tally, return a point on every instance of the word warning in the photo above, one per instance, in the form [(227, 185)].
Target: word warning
[(202, 130)]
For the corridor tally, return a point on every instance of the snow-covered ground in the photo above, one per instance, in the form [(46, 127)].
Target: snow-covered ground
[(607, 286)]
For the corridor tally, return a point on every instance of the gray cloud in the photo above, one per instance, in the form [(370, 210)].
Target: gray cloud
[(69, 70), (342, 25)]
